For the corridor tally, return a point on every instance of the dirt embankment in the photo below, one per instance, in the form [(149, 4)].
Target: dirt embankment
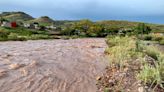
[(51, 65)]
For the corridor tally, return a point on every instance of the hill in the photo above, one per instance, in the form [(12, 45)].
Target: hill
[(129, 24), (16, 16), (44, 20)]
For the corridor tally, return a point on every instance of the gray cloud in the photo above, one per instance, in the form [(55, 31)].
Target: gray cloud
[(138, 10)]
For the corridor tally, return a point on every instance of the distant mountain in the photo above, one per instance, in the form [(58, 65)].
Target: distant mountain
[(16, 16)]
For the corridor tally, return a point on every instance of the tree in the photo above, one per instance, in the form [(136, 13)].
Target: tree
[(142, 28)]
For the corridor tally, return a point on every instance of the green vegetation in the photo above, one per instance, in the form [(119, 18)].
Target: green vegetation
[(16, 16), (143, 29), (87, 28), (124, 51), (22, 34), (152, 74), (161, 42), (126, 42), (120, 50), (43, 21), (152, 37)]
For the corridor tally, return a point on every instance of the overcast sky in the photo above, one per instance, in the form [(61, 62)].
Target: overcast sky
[(134, 10)]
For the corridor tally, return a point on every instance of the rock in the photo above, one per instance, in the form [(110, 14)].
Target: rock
[(146, 87), (98, 78), (128, 90), (24, 72), (111, 81), (141, 89)]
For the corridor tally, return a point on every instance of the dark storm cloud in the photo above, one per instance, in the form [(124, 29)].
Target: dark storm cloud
[(138, 10)]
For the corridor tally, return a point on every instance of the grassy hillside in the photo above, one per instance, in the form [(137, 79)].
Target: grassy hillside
[(44, 20), (22, 34), (128, 24), (16, 16)]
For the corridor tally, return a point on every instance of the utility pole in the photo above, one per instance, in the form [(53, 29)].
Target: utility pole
[(1, 20)]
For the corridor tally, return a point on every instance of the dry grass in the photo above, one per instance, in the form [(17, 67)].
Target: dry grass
[(152, 75), (125, 50), (122, 50)]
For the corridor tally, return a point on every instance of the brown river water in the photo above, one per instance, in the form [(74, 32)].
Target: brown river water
[(51, 65)]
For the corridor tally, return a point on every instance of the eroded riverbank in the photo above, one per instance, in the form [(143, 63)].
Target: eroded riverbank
[(51, 65)]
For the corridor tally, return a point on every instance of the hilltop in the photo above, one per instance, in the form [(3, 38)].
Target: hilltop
[(44, 20), (16, 16)]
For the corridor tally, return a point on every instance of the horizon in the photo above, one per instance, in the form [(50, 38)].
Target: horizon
[(148, 11)]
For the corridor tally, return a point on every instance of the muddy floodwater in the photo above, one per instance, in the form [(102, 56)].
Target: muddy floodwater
[(51, 65)]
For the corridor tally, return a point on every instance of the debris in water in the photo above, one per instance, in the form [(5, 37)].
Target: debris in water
[(2, 72), (15, 66)]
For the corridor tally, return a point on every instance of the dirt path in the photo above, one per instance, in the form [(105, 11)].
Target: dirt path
[(51, 65)]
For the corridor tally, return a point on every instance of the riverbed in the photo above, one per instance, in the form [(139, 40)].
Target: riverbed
[(51, 65)]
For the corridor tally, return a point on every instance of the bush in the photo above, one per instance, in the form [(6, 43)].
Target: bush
[(149, 50), (153, 75), (148, 37), (122, 50), (161, 42), (4, 34), (22, 34), (152, 52), (157, 38), (39, 36), (15, 37), (145, 37)]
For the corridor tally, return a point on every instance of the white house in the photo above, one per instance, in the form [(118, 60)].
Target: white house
[(26, 25), (51, 27), (6, 24)]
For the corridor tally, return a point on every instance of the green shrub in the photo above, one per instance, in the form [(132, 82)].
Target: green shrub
[(153, 75), (122, 50), (4, 34), (152, 52), (157, 38), (39, 36), (148, 37), (161, 42), (16, 37)]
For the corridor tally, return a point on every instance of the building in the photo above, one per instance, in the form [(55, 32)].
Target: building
[(13, 24), (26, 25), (9, 24), (6, 24), (51, 27), (36, 25)]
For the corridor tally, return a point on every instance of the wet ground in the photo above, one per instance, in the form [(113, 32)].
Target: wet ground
[(51, 65)]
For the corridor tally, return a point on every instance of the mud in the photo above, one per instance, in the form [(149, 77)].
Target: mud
[(51, 65)]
